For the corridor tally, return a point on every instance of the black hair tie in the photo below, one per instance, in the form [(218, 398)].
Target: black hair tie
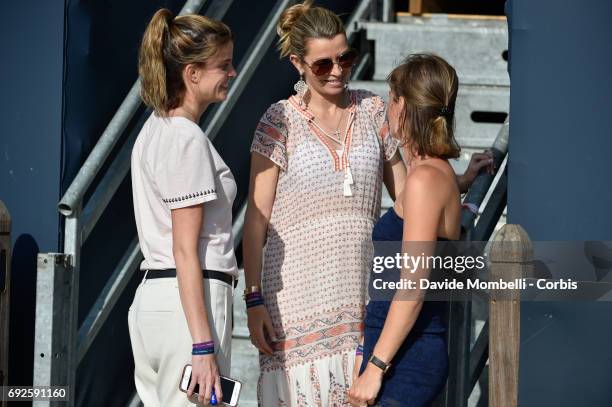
[(446, 112)]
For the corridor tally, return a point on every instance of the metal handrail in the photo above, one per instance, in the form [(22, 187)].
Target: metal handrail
[(482, 183), (352, 26)]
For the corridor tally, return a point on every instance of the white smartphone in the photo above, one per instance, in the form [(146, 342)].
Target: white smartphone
[(229, 387)]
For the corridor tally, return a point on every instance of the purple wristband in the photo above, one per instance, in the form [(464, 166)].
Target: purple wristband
[(204, 344), (203, 348)]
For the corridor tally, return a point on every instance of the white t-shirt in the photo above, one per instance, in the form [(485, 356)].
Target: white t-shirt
[(174, 165)]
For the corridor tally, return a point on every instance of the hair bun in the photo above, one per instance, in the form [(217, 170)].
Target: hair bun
[(290, 16)]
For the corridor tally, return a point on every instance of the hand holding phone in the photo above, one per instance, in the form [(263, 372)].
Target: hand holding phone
[(230, 388), (205, 375)]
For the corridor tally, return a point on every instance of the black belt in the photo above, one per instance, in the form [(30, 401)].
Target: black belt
[(210, 274)]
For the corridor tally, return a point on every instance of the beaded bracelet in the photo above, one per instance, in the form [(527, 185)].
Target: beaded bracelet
[(359, 350), (203, 348), (253, 299)]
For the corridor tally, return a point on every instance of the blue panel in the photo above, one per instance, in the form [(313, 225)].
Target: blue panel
[(559, 185), (31, 71)]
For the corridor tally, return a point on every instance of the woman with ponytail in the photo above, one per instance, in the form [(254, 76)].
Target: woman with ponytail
[(405, 357), (318, 162), (183, 194)]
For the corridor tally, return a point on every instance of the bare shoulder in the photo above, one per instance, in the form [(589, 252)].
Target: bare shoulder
[(429, 180), (425, 174)]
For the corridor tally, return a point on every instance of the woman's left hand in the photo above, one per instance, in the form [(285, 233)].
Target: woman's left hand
[(364, 390), (478, 161)]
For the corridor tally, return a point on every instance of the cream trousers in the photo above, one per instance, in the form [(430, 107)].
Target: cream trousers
[(161, 342)]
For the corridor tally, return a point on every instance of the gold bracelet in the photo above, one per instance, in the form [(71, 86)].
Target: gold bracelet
[(252, 289)]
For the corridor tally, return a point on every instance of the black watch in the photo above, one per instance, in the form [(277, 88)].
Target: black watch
[(379, 363)]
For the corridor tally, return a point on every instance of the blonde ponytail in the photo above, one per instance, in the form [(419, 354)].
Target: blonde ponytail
[(151, 67), (440, 133)]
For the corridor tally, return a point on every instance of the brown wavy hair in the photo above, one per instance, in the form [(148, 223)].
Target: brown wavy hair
[(301, 22), (429, 86), (168, 45)]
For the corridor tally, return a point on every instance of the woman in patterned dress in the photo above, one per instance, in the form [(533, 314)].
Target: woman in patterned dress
[(319, 160)]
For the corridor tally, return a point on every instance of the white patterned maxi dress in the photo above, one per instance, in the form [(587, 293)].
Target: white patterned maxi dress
[(318, 251)]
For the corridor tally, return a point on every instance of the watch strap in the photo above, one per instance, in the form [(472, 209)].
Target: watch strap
[(379, 363)]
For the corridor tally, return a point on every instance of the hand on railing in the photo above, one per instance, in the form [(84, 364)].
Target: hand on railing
[(478, 162)]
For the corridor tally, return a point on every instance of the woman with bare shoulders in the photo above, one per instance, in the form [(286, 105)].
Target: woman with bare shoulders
[(405, 357)]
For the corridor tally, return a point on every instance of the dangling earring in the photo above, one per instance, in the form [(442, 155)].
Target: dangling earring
[(301, 87)]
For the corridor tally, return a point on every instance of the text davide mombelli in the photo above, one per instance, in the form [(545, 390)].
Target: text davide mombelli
[(459, 264)]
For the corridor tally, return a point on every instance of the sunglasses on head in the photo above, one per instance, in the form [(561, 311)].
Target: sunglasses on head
[(324, 66)]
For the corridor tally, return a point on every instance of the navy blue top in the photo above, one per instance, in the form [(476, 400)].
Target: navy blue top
[(390, 227)]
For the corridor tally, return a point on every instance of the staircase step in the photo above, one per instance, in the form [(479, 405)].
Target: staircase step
[(471, 99), (475, 47)]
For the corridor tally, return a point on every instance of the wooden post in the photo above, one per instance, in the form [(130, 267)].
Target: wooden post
[(415, 7), (510, 256), (5, 292)]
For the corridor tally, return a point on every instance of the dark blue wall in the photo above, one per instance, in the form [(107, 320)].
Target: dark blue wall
[(560, 185), (31, 72)]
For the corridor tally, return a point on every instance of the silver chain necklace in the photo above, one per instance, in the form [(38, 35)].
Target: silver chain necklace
[(337, 137), (340, 140)]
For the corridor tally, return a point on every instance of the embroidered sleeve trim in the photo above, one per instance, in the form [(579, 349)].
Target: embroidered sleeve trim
[(190, 196)]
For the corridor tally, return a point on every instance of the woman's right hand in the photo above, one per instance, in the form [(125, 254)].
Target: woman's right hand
[(260, 327), (205, 373)]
